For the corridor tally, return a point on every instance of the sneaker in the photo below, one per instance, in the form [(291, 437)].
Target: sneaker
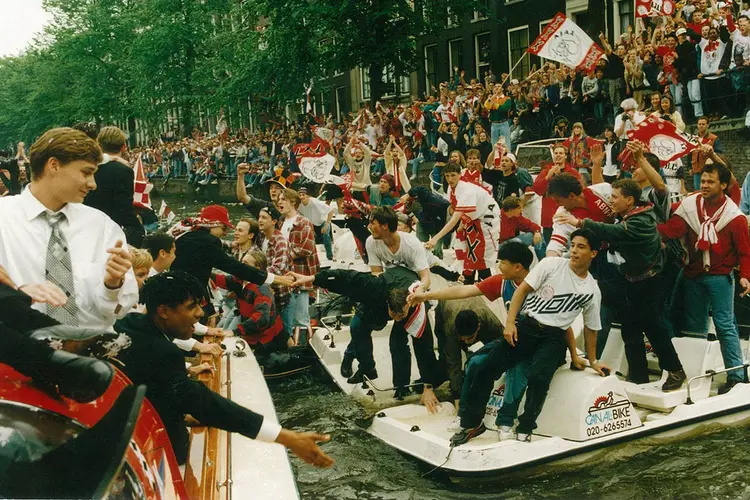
[(464, 435), (401, 392), (359, 376), (674, 381), (455, 425), (412, 177), (504, 433), (524, 438), (729, 385), (346, 367)]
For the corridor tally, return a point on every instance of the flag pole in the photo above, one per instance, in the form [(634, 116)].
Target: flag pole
[(514, 67)]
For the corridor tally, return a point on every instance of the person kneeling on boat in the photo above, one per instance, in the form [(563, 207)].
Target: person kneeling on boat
[(173, 307), (636, 249), (379, 299), (551, 296), (475, 336), (260, 325)]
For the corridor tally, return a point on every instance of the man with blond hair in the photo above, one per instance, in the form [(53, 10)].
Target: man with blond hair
[(46, 234), (115, 184)]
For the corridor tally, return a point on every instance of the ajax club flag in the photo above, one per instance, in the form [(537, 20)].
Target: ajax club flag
[(565, 42)]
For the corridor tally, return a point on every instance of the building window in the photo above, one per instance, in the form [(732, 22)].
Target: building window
[(625, 11), (455, 55), (482, 53), (392, 84), (430, 62), (518, 43), (483, 12)]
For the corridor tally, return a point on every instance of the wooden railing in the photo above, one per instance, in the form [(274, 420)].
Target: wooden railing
[(208, 468)]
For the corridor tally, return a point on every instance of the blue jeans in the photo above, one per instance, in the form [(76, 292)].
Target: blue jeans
[(325, 239), (415, 163), (716, 291), (501, 128), (528, 239), (297, 311), (515, 385)]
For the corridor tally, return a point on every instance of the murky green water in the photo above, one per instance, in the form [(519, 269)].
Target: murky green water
[(712, 465)]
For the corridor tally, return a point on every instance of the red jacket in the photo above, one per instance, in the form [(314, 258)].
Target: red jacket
[(510, 227), (549, 207), (733, 245), (260, 323)]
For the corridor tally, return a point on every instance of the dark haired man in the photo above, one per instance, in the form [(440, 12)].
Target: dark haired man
[(635, 248), (559, 166), (379, 299), (173, 304), (717, 241), (480, 216), (161, 246), (49, 235), (538, 335)]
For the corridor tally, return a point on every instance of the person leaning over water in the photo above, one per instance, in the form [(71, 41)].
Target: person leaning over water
[(199, 251), (173, 307)]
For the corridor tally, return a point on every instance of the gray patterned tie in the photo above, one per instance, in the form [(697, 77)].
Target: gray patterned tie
[(59, 271)]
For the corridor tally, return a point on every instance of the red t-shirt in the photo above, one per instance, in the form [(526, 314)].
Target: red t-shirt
[(668, 56)]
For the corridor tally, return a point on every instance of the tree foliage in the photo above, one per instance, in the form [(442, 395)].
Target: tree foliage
[(115, 61)]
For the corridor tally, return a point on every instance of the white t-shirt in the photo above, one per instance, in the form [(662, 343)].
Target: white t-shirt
[(472, 200), (560, 295), (286, 228), (410, 254), (316, 211)]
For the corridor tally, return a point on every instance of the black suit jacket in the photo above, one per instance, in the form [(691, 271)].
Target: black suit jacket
[(153, 360), (16, 311), (114, 193), (199, 253)]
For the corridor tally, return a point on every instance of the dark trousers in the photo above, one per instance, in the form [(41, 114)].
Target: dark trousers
[(359, 230), (645, 314), (424, 351), (543, 345), (134, 235), (360, 346)]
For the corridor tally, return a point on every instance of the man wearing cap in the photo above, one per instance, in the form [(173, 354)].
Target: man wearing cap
[(628, 119), (275, 186), (199, 251), (320, 214)]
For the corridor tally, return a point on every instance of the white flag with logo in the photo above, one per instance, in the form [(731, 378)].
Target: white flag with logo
[(565, 42)]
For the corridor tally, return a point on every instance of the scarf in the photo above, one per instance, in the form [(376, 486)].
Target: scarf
[(190, 224), (417, 320), (693, 211), (499, 153)]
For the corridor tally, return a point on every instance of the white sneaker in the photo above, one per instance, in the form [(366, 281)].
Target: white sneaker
[(455, 425), (411, 178), (504, 433), (520, 436)]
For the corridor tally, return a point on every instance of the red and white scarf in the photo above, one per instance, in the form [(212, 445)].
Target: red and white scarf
[(417, 320), (693, 212), (191, 224)]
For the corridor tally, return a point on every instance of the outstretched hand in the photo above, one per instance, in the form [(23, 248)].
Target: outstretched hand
[(296, 279), (305, 446)]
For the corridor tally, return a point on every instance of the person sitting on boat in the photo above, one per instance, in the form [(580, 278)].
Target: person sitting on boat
[(480, 218), (635, 247), (387, 248), (550, 298), (260, 325), (199, 251), (717, 241), (173, 306), (380, 299), (47, 234)]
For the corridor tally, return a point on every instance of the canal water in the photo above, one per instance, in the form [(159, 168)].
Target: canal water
[(714, 464)]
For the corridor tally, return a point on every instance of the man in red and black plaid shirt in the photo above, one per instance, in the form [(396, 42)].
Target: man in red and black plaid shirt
[(276, 248), (300, 234)]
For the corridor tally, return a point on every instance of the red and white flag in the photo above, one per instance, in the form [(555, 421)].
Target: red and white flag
[(141, 187), (317, 168), (565, 42), (166, 212), (663, 139), (654, 8)]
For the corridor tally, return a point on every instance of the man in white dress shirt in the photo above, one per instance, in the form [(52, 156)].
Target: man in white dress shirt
[(47, 234), (320, 214)]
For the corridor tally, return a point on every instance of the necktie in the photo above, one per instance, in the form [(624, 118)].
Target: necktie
[(59, 271)]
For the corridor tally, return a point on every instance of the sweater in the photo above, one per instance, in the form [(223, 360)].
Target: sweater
[(260, 322)]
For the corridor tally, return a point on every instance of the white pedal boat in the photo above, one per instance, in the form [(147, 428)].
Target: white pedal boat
[(584, 416)]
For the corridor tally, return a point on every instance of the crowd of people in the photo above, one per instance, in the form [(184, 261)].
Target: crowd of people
[(626, 242)]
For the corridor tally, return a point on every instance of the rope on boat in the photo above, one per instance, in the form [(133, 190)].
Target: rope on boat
[(450, 450)]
